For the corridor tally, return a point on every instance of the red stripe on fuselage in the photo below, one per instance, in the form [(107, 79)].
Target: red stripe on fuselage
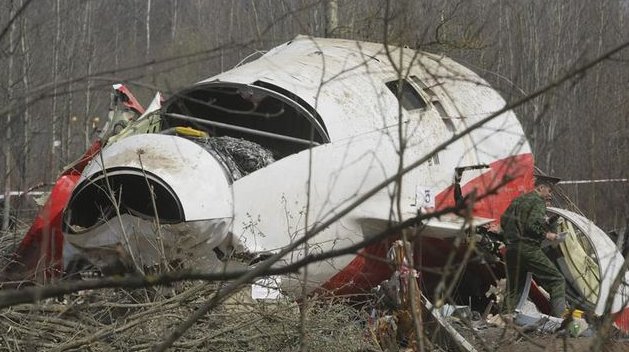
[(621, 319), (40, 254), (510, 177)]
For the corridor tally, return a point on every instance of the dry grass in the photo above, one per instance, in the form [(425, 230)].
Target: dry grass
[(136, 320)]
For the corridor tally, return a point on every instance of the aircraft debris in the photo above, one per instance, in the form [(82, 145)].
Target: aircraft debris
[(243, 164)]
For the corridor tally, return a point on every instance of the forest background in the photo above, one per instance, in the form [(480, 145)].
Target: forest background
[(58, 60)]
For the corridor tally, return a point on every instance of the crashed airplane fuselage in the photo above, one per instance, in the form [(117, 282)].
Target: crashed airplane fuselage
[(333, 117), (240, 165)]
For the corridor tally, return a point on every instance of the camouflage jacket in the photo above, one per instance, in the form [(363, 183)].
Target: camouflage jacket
[(525, 219)]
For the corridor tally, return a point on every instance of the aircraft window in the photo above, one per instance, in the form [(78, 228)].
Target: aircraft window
[(321, 126), (446, 119), (434, 160), (407, 95), (431, 94), (261, 113)]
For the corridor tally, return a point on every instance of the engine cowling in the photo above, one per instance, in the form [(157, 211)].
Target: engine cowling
[(147, 199)]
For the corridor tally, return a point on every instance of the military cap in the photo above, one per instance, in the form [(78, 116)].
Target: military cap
[(546, 180)]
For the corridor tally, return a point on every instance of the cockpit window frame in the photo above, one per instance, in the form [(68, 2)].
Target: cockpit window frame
[(408, 87)]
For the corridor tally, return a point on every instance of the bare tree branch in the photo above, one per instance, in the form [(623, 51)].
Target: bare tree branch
[(14, 18)]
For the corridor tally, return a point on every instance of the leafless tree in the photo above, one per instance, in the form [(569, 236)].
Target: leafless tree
[(59, 59)]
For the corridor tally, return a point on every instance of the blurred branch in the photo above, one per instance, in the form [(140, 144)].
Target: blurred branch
[(17, 14)]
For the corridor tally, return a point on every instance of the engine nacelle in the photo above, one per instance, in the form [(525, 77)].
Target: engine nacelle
[(135, 205)]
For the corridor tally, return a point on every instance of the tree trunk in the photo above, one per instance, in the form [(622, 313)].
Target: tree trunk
[(256, 20), (27, 119), (87, 29), (7, 132), (173, 26), (148, 29), (55, 72), (331, 18)]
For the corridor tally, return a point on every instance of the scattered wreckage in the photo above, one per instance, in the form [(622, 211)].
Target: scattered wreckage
[(238, 166)]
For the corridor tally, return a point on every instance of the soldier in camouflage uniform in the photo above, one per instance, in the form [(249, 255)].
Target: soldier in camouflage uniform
[(525, 226)]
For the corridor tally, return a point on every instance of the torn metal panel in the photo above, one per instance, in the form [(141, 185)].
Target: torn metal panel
[(592, 262), (129, 242), (451, 226), (148, 122)]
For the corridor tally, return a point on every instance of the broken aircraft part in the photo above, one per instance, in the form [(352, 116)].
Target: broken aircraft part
[(334, 117)]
